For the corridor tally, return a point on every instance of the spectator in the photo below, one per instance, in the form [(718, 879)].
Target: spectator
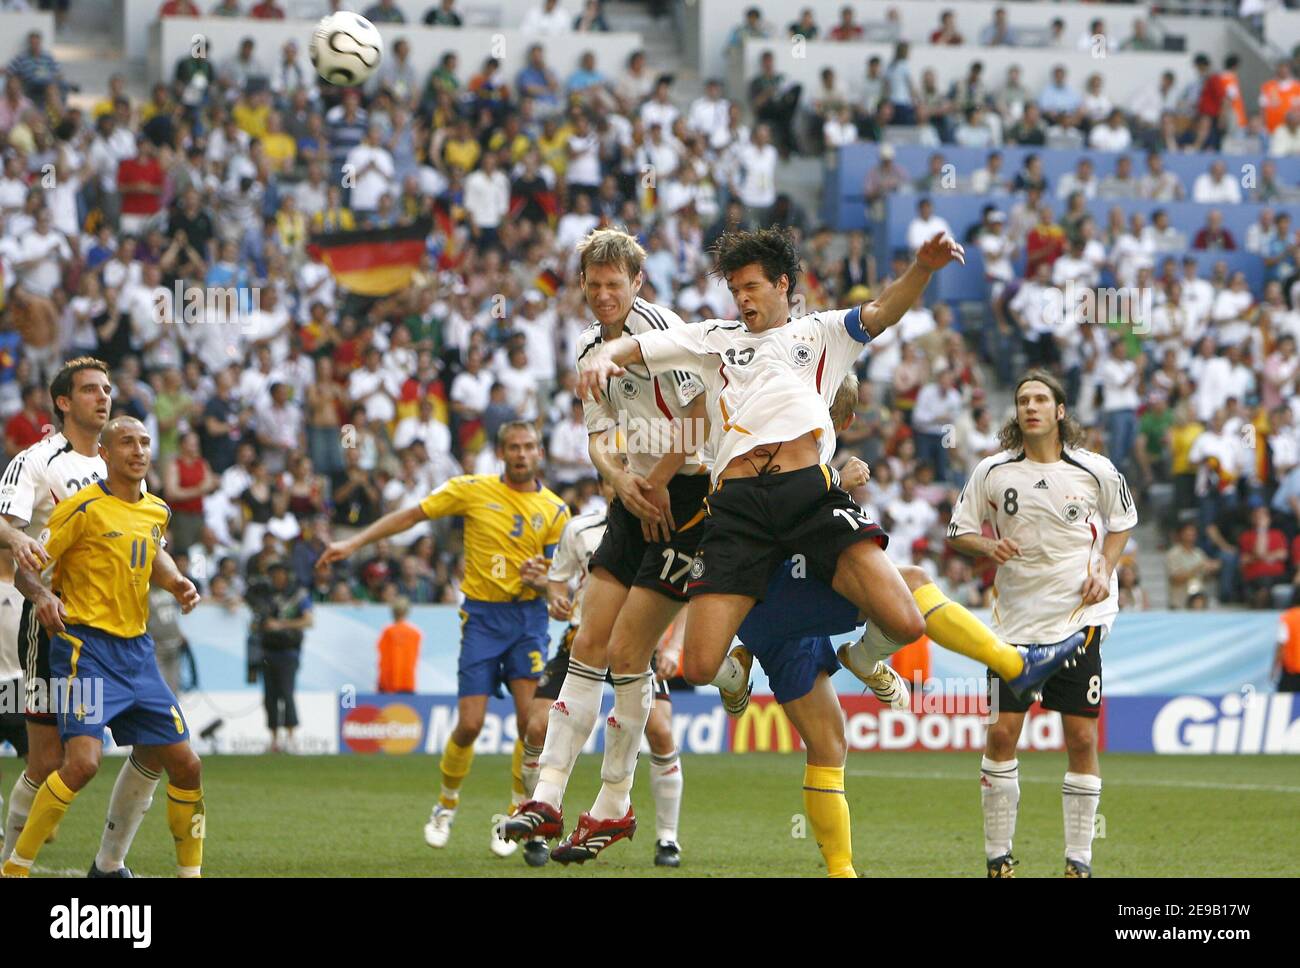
[(36, 68), (28, 425), (1158, 184), (775, 101), (1188, 569), (385, 12), (806, 26), (179, 8), (267, 10), (443, 15), (926, 225), (1215, 187), (1213, 236), (189, 480), (900, 90), (1119, 382), (1263, 557), (399, 650), (947, 32), (547, 20), (1286, 136), (999, 33), (1278, 96), (1061, 104)]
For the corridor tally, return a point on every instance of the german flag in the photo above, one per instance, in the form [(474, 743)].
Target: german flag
[(548, 281), (373, 262)]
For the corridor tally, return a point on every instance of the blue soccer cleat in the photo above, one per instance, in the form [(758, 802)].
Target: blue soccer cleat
[(1044, 661), (122, 871)]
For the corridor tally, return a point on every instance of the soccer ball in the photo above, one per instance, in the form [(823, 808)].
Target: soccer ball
[(345, 49)]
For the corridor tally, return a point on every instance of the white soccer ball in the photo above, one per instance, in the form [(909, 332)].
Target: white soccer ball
[(345, 48)]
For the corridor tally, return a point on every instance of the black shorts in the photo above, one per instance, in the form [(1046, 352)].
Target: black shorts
[(34, 657), (1071, 692), (13, 725), (756, 523), (1289, 682), (635, 562), (557, 670)]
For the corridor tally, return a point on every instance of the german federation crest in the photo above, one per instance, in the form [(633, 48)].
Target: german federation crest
[(1072, 511), (801, 354), (697, 567)]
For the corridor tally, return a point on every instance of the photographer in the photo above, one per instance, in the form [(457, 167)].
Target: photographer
[(281, 612)]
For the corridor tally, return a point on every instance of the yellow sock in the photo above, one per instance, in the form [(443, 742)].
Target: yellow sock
[(828, 812), (517, 775), (188, 822), (48, 807), (957, 630), (455, 767)]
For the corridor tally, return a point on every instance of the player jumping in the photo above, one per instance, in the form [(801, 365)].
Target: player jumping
[(570, 567), (36, 480), (508, 520), (1057, 512), (104, 541), (767, 382), (637, 582)]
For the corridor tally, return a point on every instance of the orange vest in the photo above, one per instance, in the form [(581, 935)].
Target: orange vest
[(399, 649), (1291, 648), (1276, 98)]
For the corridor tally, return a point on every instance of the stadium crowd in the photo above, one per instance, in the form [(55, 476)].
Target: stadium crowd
[(305, 410)]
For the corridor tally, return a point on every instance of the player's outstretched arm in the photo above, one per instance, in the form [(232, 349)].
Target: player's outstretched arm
[(390, 524), (28, 552), (167, 576), (595, 371), (897, 297)]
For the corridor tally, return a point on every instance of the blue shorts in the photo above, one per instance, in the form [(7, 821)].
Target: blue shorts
[(113, 682), (500, 641), (788, 631)]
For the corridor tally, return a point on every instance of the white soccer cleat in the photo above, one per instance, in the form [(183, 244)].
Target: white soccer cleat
[(438, 830), (889, 687), (499, 845)]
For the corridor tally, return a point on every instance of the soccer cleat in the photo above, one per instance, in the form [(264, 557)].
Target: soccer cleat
[(438, 829), (667, 854), (1044, 661), (736, 702), (1004, 866), (591, 836), (499, 845), (1077, 868), (889, 687), (122, 871), (536, 853), (534, 819), (12, 868)]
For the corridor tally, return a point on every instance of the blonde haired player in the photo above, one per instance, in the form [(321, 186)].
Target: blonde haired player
[(509, 520), (1061, 517)]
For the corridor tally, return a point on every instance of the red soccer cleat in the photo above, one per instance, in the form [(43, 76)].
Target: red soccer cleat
[(592, 836), (534, 819)]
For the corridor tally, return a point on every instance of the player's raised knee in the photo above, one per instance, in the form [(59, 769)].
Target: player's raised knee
[(698, 670), (80, 764), (907, 624)]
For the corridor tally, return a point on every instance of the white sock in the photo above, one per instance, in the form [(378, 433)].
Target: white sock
[(568, 725), (1000, 796), (666, 786), (731, 676), (132, 795), (530, 769), (874, 646), (633, 696), (20, 805), (1080, 794)]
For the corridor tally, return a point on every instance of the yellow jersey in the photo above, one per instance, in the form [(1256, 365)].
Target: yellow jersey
[(503, 528), (103, 550)]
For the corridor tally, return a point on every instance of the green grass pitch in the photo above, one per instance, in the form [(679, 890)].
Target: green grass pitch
[(914, 815)]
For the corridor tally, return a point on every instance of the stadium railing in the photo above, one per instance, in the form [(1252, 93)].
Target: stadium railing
[(135, 17), (172, 39), (710, 22)]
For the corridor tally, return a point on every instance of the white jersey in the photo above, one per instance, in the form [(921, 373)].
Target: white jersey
[(1059, 514), (11, 610), (638, 403), (572, 559), (43, 475), (763, 388)]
